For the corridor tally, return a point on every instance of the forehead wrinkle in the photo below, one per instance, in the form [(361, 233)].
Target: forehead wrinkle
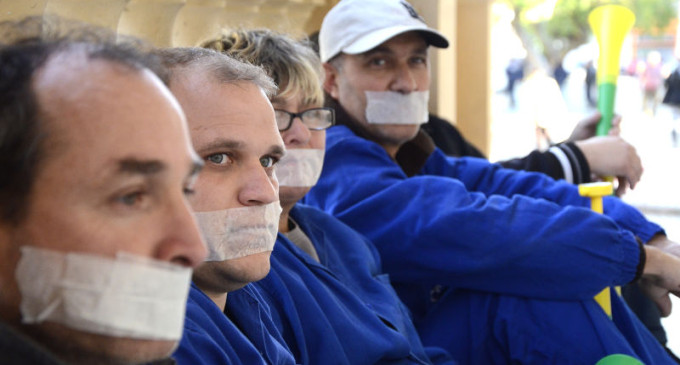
[(200, 120)]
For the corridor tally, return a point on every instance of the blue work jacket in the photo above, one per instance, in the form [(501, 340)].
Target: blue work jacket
[(469, 244), (211, 338), (467, 223), (341, 310)]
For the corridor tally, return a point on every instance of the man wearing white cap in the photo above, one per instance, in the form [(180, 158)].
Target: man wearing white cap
[(460, 229)]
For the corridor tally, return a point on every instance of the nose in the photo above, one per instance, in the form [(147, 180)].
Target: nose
[(182, 243), (404, 80), (258, 186), (297, 135)]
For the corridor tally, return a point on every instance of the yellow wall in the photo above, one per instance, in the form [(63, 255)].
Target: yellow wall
[(441, 15), (473, 61), (460, 75)]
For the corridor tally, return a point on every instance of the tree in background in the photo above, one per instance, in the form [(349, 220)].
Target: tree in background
[(549, 29)]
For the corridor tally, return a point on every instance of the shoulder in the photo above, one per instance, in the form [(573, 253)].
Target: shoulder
[(338, 134), (311, 219), (344, 149), (330, 235), (304, 214), (340, 138)]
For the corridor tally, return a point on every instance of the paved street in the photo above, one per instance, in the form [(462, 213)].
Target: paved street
[(539, 101)]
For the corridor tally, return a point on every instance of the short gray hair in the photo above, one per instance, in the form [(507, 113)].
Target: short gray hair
[(222, 68)]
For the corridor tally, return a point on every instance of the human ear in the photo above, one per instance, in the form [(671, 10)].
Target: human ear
[(330, 81)]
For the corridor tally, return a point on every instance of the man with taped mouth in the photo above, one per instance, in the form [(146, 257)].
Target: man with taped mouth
[(97, 239), (326, 290), (236, 201), (496, 265)]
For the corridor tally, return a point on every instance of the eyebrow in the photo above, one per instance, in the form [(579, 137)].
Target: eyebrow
[(422, 50), (277, 150), (233, 144), (385, 50), (134, 166), (131, 166), (151, 170), (219, 144)]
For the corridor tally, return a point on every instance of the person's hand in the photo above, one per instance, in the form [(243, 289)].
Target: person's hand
[(662, 242), (612, 156), (586, 128), (661, 275)]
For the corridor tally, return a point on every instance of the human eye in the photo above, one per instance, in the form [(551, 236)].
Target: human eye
[(132, 199), (419, 60), (377, 62), (318, 112), (283, 119), (268, 161), (317, 118), (313, 114), (219, 158)]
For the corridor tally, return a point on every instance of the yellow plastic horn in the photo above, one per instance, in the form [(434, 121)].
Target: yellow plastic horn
[(595, 191), (610, 24)]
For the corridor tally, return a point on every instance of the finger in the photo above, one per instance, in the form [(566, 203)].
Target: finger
[(660, 297), (636, 173), (621, 186), (633, 180), (615, 128), (665, 305)]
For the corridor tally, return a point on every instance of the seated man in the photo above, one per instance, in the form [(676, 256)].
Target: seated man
[(236, 201), (326, 289), (460, 229), (96, 234)]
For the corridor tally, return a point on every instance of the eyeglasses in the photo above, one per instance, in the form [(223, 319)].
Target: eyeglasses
[(316, 119)]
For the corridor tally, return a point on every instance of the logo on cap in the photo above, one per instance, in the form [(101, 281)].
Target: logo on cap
[(412, 11)]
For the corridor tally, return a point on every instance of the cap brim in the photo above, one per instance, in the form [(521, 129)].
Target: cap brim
[(372, 40)]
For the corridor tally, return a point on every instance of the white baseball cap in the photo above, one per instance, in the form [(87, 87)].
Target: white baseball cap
[(357, 26)]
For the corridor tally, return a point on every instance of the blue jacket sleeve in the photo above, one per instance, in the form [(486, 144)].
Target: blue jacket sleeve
[(481, 176), (430, 229)]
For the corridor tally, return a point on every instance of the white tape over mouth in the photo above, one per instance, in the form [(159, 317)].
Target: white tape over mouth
[(239, 232), (391, 107), (129, 296), (300, 167)]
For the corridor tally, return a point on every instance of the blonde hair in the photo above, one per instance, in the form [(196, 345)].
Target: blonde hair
[(293, 64)]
